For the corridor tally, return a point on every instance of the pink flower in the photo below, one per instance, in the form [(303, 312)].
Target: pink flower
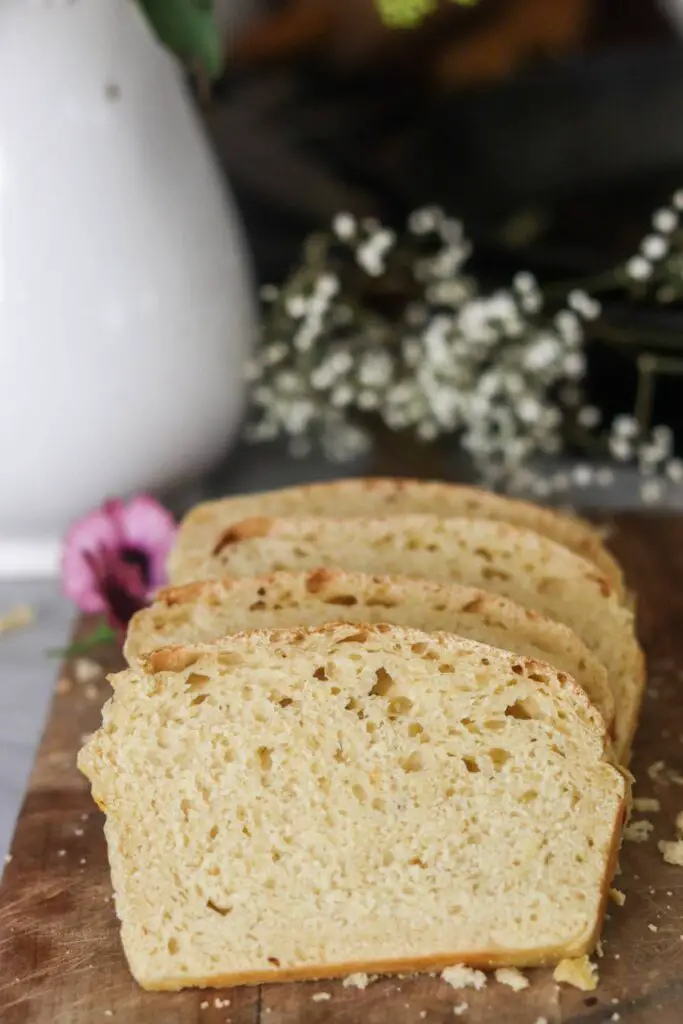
[(114, 558)]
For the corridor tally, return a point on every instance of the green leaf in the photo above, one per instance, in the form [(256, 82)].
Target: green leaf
[(407, 13), (102, 634), (188, 28)]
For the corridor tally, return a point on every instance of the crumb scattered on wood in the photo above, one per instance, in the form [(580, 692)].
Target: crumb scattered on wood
[(580, 973), (90, 692), (321, 997), (659, 772), (638, 831), (672, 852), (357, 980), (85, 670), (460, 976), (653, 927), (18, 618), (513, 978), (618, 897), (220, 1004), (646, 804), (8, 858), (460, 1009)]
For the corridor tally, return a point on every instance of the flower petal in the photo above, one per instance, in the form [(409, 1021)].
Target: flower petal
[(151, 528), (95, 532)]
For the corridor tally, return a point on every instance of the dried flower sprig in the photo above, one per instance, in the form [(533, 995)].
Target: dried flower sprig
[(371, 324)]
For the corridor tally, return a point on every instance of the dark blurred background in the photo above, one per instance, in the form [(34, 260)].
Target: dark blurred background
[(553, 128)]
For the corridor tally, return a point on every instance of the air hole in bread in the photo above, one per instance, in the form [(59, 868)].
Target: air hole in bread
[(494, 574), (432, 547), (417, 862), (274, 961), (494, 725), (257, 606), (185, 808), (538, 677), (359, 793), (412, 763), (380, 805), (419, 648), (444, 668), (354, 705), (383, 683), (334, 690), (370, 727), (484, 553), (265, 759), (529, 796), (246, 832), (414, 729), (377, 602), (519, 710), (195, 680), (229, 659), (498, 757), (469, 725), (471, 764), (399, 706), (213, 832), (223, 911), (346, 600), (518, 670), (199, 699), (285, 702), (172, 946)]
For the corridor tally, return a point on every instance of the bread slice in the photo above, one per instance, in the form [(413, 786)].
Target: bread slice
[(375, 497), (308, 803), (518, 564), (202, 612)]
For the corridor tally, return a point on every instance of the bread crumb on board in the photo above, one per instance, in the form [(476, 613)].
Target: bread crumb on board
[(659, 772), (618, 897), (653, 927), (321, 997), (17, 618), (672, 851), (85, 670), (220, 1004), (358, 980), (638, 831), (580, 973), (646, 804), (679, 821), (460, 976), (460, 1009), (513, 978)]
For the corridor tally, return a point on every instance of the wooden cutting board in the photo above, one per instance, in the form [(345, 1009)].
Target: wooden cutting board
[(60, 958)]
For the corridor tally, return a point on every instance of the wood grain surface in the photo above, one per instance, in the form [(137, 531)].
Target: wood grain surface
[(60, 957)]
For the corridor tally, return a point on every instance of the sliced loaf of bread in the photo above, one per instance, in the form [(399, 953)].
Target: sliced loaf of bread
[(379, 497), (308, 803), (521, 565), (203, 612)]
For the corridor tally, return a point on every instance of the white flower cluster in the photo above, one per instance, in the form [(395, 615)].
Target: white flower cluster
[(658, 265), (496, 369)]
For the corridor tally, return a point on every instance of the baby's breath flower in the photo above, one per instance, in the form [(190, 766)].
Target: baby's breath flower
[(638, 268), (654, 247), (665, 221), (344, 226)]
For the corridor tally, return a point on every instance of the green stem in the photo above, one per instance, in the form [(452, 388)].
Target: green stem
[(102, 634)]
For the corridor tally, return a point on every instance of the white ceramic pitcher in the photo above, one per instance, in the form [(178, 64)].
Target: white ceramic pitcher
[(125, 302)]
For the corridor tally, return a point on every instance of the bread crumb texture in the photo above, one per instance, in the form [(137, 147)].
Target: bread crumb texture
[(513, 978), (310, 803), (519, 564), (460, 976), (579, 972), (460, 1008), (618, 897), (321, 997)]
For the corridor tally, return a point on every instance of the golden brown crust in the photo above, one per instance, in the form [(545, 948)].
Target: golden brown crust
[(255, 526)]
